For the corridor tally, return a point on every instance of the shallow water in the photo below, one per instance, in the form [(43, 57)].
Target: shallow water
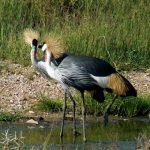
[(119, 134)]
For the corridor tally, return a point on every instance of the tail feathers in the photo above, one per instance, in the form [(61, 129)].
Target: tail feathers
[(98, 95), (121, 86), (131, 90)]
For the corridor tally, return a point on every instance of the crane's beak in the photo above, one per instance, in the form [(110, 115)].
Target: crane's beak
[(40, 46)]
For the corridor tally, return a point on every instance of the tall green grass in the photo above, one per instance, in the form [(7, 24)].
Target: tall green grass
[(7, 116), (129, 107), (88, 27), (46, 104)]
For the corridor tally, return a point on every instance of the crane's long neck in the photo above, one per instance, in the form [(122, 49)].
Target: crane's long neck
[(49, 67), (33, 55)]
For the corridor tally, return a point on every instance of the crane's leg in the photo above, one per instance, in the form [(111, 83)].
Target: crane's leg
[(64, 111), (74, 111), (107, 109), (83, 115)]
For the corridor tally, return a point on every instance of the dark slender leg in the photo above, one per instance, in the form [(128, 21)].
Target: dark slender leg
[(74, 111), (107, 109), (83, 115), (64, 111)]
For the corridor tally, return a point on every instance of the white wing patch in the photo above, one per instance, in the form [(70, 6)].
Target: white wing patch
[(102, 81)]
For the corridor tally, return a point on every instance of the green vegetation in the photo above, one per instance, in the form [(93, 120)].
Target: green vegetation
[(46, 104), (88, 27), (7, 116), (130, 106)]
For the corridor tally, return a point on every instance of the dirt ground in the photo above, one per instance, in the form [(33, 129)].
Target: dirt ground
[(21, 87)]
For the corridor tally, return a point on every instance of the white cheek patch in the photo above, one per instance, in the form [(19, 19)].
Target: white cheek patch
[(102, 81), (44, 47)]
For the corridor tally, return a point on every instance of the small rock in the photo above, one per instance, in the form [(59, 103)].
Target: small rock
[(11, 101), (31, 112), (30, 127), (42, 127), (125, 119), (31, 121)]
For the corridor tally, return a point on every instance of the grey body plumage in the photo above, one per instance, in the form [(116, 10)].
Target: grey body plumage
[(76, 71)]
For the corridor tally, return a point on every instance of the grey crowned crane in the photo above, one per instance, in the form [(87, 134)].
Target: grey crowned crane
[(31, 38), (86, 73)]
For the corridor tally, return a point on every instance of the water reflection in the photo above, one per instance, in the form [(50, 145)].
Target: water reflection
[(119, 134)]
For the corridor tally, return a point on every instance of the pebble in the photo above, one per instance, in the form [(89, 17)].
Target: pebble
[(31, 121), (125, 119), (42, 127), (18, 92), (30, 127), (31, 112)]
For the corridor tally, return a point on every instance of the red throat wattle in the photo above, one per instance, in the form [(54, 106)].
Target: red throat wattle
[(45, 57), (33, 52)]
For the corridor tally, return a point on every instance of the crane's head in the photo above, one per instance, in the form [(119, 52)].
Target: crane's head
[(45, 49), (47, 54)]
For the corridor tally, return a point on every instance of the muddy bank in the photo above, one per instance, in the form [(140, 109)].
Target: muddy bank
[(20, 87)]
